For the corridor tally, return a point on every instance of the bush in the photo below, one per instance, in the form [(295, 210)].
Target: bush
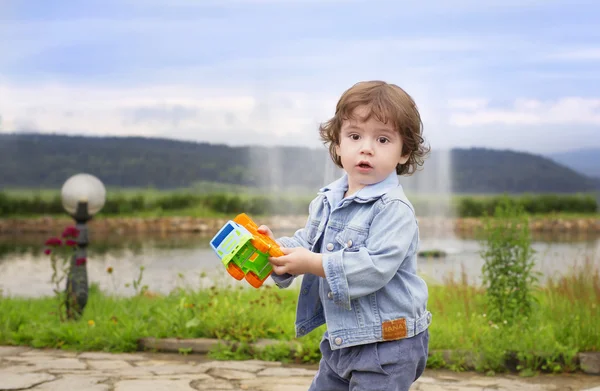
[(507, 272), (532, 204), (232, 203)]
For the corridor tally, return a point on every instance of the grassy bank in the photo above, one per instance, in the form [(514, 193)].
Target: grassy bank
[(152, 203), (565, 321)]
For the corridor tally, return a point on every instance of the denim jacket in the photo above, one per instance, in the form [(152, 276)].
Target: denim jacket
[(371, 291)]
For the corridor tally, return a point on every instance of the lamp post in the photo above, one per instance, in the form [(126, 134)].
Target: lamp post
[(83, 195)]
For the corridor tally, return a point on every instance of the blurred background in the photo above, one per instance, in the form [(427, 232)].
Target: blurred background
[(190, 112)]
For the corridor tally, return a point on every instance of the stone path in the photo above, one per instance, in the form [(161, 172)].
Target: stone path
[(50, 370)]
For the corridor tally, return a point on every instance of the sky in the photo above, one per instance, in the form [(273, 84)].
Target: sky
[(504, 74)]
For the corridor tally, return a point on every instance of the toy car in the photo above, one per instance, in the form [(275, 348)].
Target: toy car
[(244, 251)]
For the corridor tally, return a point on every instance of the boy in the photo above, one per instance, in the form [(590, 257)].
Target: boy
[(358, 250)]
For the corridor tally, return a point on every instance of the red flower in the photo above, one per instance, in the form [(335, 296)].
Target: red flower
[(70, 243), (80, 261), (53, 242), (47, 251), (70, 232)]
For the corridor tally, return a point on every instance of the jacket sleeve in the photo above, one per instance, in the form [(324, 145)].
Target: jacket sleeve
[(393, 235), (299, 239)]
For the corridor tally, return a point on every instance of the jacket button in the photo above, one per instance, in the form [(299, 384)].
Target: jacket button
[(338, 341), (329, 246), (330, 295), (349, 243)]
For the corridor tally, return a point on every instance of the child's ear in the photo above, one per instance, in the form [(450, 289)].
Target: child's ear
[(403, 159), (337, 149)]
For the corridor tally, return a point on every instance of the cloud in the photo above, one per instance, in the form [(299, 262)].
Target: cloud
[(172, 115), (467, 104), (268, 72), (578, 55), (405, 5), (231, 116), (566, 111)]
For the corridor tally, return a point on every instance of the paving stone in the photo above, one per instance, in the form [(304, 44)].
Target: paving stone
[(197, 345), (276, 372), (30, 359), (49, 370), (62, 363), (278, 387), (231, 374), (69, 382), (154, 385), (58, 363), (212, 384), (448, 378), (128, 373), (185, 376), (152, 363), (509, 384), (12, 350), (49, 353), (19, 381), (74, 372), (428, 387), (292, 383), (108, 364), (425, 379), (47, 362), (112, 356), (242, 366), (150, 376), (267, 364), (490, 383), (17, 368), (174, 369)]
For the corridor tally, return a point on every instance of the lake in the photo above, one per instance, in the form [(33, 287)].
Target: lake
[(188, 261)]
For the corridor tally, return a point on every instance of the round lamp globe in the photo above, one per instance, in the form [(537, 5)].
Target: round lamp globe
[(83, 188)]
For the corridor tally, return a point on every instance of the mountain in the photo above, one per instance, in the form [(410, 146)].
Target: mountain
[(41, 160), (585, 161), (46, 161), (478, 170)]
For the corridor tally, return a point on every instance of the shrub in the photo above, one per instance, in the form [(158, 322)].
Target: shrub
[(507, 272)]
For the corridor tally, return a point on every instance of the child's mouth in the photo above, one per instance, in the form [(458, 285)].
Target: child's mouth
[(364, 166)]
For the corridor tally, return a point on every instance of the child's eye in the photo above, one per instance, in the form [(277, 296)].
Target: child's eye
[(384, 140), (354, 136)]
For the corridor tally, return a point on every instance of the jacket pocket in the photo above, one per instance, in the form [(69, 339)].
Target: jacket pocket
[(352, 238)]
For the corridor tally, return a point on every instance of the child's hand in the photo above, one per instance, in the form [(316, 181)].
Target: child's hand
[(263, 229), (297, 260)]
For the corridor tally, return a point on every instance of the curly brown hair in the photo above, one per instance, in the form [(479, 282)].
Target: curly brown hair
[(387, 102)]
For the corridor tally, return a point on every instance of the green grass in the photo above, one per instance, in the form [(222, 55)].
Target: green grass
[(564, 322)]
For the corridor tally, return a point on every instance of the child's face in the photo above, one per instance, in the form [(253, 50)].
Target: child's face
[(369, 150)]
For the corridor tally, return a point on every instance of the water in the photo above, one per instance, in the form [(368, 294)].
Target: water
[(188, 261), (175, 261)]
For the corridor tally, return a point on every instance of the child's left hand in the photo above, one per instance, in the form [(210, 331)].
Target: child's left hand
[(297, 260)]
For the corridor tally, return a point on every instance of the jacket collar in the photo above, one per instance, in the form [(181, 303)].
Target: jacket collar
[(366, 193)]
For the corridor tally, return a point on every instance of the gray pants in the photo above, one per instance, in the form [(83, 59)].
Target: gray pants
[(382, 366)]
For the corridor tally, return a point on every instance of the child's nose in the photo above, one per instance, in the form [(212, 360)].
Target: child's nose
[(366, 147)]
